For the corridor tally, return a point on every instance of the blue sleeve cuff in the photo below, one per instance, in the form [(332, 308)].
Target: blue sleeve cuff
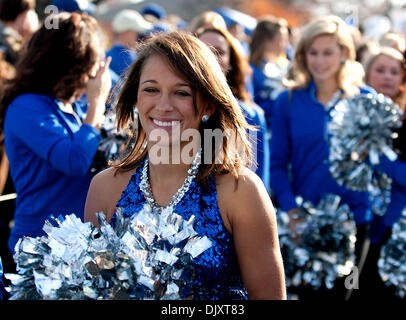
[(396, 170), (287, 202)]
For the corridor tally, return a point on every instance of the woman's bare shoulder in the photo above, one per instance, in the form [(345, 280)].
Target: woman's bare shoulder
[(110, 177), (246, 179), (105, 191), (239, 194)]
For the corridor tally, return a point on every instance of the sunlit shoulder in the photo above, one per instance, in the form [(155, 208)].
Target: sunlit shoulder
[(246, 180), (104, 192), (242, 197)]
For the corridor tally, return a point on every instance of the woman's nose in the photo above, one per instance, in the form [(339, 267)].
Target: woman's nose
[(164, 103), (388, 75)]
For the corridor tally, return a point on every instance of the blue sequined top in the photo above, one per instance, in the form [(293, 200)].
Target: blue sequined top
[(217, 274)]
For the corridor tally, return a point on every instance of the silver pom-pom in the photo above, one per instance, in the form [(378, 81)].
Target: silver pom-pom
[(147, 256), (324, 248), (361, 130), (2, 289), (114, 144), (392, 262)]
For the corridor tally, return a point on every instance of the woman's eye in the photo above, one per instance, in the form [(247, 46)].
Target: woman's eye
[(150, 90), (395, 72), (183, 93)]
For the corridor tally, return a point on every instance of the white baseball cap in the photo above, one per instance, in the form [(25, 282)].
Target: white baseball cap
[(130, 20)]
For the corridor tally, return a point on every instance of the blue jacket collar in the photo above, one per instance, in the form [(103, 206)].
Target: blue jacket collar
[(312, 92)]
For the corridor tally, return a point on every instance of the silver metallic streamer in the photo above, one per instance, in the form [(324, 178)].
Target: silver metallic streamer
[(361, 130), (324, 250), (114, 144), (392, 263), (146, 256)]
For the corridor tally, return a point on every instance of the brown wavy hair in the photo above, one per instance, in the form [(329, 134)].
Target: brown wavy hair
[(239, 66), (267, 28), (192, 60), (55, 62)]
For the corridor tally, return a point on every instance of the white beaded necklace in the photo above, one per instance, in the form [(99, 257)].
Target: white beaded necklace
[(146, 187)]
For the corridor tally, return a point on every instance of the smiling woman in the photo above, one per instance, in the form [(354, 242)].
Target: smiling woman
[(325, 72), (165, 101), (177, 83)]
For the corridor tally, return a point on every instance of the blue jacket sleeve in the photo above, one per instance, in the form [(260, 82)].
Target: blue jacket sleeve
[(396, 170), (42, 131), (263, 154), (281, 154)]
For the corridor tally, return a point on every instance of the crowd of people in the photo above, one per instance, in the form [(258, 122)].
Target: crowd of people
[(272, 91)]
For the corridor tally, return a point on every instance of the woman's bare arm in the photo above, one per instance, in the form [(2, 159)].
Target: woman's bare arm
[(251, 216)]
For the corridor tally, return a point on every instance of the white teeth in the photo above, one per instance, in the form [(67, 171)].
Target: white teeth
[(165, 123)]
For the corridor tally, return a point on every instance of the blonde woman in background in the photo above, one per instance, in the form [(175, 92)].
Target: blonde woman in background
[(325, 72)]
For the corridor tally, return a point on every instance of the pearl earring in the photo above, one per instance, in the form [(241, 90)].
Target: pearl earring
[(205, 118)]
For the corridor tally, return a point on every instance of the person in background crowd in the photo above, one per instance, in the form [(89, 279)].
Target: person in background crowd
[(207, 18), (156, 14), (325, 72), (213, 19), (236, 69), (237, 30), (268, 61), (18, 21), (385, 72), (127, 25), (176, 81), (50, 138), (153, 13)]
